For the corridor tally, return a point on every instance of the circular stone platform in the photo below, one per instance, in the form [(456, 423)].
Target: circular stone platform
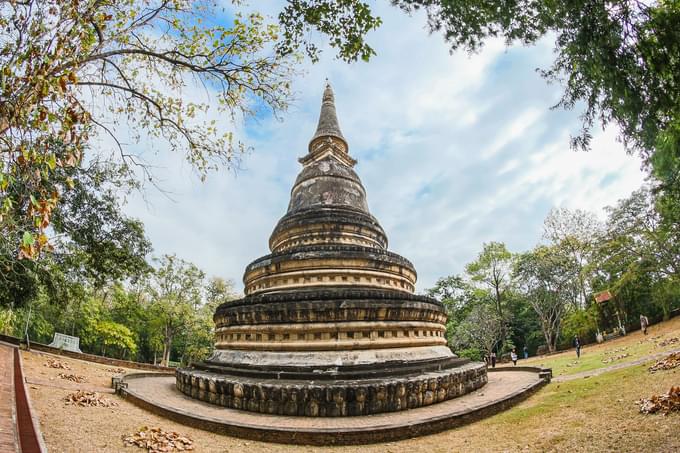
[(158, 393)]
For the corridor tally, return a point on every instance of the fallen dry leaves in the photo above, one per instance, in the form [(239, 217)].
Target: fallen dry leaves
[(156, 440), (610, 357), (669, 341), (615, 358), (54, 363), (73, 377), (670, 362), (115, 370), (661, 403), (88, 399)]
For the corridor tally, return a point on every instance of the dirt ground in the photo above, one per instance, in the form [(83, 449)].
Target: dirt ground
[(589, 415)]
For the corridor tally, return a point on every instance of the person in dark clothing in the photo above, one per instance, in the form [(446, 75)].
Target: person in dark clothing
[(526, 352), (577, 345), (493, 360), (513, 356)]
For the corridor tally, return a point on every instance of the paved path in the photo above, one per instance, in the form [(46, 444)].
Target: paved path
[(161, 390), (8, 435), (618, 366)]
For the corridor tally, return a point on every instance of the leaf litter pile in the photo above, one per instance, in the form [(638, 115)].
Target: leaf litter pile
[(661, 403), (157, 440), (88, 399), (54, 363), (610, 357), (669, 341), (670, 362), (73, 377), (615, 358), (116, 370)]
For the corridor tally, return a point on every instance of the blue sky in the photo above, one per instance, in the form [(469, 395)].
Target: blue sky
[(454, 151)]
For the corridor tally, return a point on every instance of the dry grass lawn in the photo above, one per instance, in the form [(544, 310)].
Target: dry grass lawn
[(596, 414), (633, 346)]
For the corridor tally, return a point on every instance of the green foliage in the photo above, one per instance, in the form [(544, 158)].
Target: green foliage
[(175, 292), (491, 271), (345, 22), (666, 296), (472, 354), (481, 329), (583, 323), (523, 323), (458, 297), (7, 320), (95, 243), (114, 335)]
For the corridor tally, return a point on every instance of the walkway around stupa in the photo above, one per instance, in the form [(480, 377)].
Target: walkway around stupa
[(9, 437), (158, 394), (19, 429)]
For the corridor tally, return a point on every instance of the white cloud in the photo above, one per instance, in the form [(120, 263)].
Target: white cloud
[(454, 151)]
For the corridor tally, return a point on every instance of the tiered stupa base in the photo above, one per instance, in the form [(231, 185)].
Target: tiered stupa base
[(330, 353), (316, 397)]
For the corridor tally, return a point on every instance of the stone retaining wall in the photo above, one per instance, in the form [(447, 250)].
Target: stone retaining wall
[(333, 399)]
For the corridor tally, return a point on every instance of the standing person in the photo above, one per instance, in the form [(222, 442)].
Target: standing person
[(493, 359), (526, 352), (577, 345), (513, 357), (644, 323)]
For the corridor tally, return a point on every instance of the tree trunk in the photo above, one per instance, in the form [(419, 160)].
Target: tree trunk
[(167, 347), (548, 337)]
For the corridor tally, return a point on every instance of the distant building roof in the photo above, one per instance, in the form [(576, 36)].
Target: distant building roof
[(603, 296)]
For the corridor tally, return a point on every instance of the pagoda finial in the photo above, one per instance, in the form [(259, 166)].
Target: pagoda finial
[(328, 118)]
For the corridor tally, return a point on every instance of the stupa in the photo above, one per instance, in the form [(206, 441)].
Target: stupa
[(330, 324)]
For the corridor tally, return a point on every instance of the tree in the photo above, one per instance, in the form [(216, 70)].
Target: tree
[(493, 269), (115, 335), (522, 322), (219, 290), (94, 243), (640, 237), (575, 233), (176, 295), (137, 58), (92, 230), (198, 340), (458, 298), (647, 237), (346, 22), (482, 328), (547, 280)]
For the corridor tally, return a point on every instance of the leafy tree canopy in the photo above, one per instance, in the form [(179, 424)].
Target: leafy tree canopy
[(69, 70), (93, 244)]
